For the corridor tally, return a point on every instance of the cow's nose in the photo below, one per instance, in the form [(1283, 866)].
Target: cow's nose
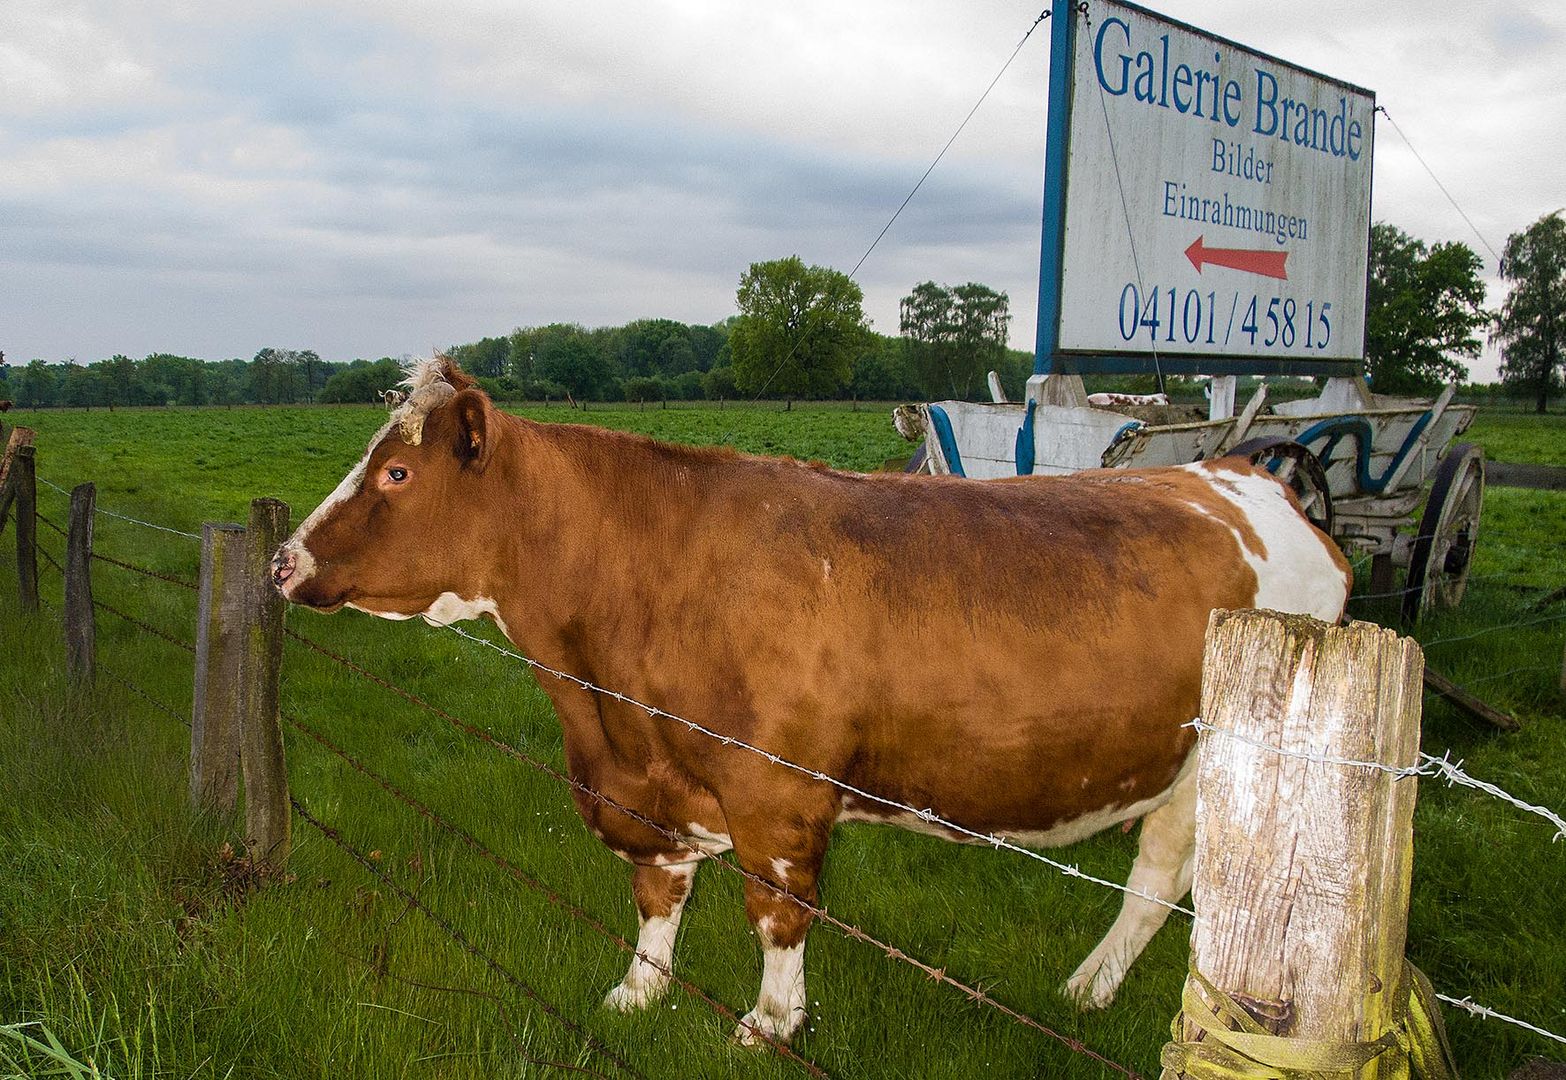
[(283, 566)]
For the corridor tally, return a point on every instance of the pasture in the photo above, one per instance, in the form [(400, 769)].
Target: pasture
[(129, 933)]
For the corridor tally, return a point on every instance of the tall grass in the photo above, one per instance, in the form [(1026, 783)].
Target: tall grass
[(129, 934)]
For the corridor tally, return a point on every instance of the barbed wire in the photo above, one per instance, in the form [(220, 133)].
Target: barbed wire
[(1558, 616), (1471, 578), (925, 815), (554, 898), (52, 525), (156, 703), (148, 627), (939, 975), (1470, 1005), (125, 517), (1504, 674), (1440, 768), (464, 942), (181, 582)]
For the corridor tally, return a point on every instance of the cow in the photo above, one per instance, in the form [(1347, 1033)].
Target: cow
[(1018, 657)]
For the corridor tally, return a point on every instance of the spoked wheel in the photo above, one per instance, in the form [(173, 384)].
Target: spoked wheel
[(1297, 467), (1444, 546)]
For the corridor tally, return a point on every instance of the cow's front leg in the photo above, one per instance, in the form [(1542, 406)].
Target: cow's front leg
[(660, 893), (788, 864)]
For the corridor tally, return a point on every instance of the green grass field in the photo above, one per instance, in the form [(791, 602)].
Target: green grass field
[(127, 935)]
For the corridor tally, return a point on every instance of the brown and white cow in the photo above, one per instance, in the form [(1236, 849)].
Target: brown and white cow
[(1017, 656)]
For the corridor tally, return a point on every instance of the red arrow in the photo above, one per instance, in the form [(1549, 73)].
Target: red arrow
[(1266, 263)]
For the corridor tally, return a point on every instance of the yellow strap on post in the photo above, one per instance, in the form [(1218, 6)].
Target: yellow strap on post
[(1234, 1046)]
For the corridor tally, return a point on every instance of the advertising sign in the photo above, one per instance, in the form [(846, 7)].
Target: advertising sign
[(1216, 202)]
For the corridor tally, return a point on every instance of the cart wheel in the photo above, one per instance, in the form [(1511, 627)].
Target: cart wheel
[(1296, 466), (920, 461), (1444, 546)]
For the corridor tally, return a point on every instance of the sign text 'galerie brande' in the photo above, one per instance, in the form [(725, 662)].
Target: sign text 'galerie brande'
[(1217, 199)]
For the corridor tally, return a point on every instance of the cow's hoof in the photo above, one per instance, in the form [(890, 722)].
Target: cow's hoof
[(1093, 987), (630, 996), (757, 1026)]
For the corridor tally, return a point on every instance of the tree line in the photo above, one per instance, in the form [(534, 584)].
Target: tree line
[(801, 332)]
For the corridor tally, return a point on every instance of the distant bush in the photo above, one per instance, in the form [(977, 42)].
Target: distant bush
[(718, 384), (362, 382)]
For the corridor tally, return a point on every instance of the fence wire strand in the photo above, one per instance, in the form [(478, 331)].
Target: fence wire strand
[(126, 517), (556, 899), (926, 814), (1470, 1005), (1439, 768), (975, 994), (146, 572), (148, 627), (465, 943)]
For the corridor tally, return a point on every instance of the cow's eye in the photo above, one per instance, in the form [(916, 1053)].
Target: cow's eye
[(396, 474)]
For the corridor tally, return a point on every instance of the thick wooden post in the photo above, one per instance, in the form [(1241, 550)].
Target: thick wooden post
[(220, 640), (24, 490), (1303, 866), (267, 813), (18, 438), (80, 637)]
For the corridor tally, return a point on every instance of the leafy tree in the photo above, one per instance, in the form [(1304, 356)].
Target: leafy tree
[(576, 359), (79, 386), (955, 334), (484, 358), (643, 388), (706, 343), (799, 330), (310, 364), (361, 381), (1422, 311), (120, 375), (655, 347), (37, 387), (881, 371), (718, 384), (1532, 324)]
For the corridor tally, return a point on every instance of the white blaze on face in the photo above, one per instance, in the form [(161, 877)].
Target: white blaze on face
[(304, 562)]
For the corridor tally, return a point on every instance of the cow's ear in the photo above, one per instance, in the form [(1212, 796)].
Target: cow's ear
[(476, 429)]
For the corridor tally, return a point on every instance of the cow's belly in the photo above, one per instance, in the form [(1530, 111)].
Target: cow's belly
[(1061, 832)]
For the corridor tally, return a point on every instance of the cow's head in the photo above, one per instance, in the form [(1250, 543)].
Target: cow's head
[(401, 530)]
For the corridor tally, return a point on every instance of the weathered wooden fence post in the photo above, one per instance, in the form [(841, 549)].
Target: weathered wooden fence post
[(24, 488), (1302, 865), (220, 643), (267, 812), (80, 635)]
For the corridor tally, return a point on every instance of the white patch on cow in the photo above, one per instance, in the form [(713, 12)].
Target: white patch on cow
[(709, 842), (826, 569), (780, 1009), (449, 608), (648, 976), (395, 616), (780, 869), (1298, 572)]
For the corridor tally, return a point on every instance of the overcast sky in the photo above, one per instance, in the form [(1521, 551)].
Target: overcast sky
[(381, 177)]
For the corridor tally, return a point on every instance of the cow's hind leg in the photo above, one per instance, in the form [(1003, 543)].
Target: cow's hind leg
[(660, 893), (1162, 869)]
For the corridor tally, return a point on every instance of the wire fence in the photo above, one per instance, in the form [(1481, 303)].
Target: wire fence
[(1428, 766)]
